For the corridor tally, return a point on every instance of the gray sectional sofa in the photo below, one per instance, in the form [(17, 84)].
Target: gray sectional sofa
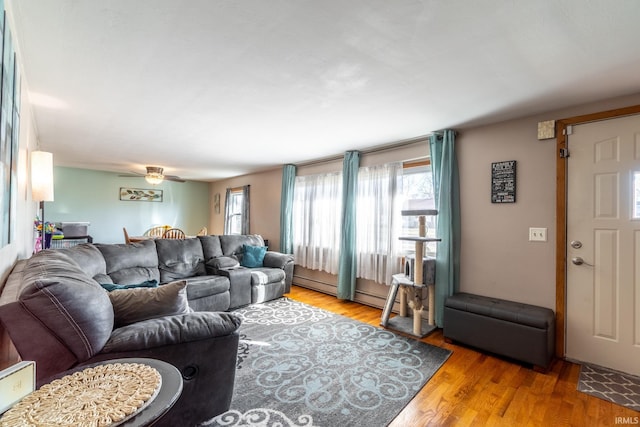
[(57, 312), (211, 265)]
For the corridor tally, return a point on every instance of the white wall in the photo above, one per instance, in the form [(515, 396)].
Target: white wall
[(22, 246)]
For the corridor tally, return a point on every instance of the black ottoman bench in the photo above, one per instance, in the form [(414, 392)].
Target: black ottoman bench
[(520, 331)]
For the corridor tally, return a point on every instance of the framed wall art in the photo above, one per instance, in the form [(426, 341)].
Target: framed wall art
[(503, 182), (140, 195)]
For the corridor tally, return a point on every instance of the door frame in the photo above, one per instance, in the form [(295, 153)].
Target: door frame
[(561, 211)]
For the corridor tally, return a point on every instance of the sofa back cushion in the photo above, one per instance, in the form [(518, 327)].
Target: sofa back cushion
[(68, 302), (180, 259), (89, 257), (234, 244), (210, 247), (132, 263)]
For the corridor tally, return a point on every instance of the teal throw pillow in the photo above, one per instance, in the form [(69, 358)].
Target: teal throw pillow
[(113, 287), (253, 256)]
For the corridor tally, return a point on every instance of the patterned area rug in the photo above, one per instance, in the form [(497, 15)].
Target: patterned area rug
[(616, 387), (302, 366)]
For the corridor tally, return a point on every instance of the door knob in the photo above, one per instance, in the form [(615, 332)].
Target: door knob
[(576, 244), (579, 261)]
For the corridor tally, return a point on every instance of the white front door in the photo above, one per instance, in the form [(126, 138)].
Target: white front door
[(603, 244)]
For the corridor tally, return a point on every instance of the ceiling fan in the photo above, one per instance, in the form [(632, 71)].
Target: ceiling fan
[(154, 175)]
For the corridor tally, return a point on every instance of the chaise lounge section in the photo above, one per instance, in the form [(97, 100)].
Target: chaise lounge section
[(57, 313)]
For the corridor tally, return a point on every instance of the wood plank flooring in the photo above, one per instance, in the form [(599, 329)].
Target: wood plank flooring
[(478, 389)]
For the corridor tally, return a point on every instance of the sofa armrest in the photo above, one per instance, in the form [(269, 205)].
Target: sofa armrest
[(284, 261), (277, 260), (171, 330), (239, 285)]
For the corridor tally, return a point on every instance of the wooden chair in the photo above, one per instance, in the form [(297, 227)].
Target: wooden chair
[(126, 236), (157, 231), (173, 233), (202, 232)]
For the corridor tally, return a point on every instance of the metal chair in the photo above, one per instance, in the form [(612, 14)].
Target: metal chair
[(173, 233)]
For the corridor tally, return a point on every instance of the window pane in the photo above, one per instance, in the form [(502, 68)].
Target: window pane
[(417, 188), (236, 224), (236, 203)]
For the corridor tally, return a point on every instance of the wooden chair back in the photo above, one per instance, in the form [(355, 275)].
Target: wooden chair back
[(157, 231), (202, 232), (173, 233), (126, 236)]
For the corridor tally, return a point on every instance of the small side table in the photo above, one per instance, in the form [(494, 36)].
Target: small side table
[(170, 389)]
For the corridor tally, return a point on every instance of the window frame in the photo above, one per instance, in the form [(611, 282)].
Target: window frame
[(236, 199)]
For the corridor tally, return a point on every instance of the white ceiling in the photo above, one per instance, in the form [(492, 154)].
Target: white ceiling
[(209, 89)]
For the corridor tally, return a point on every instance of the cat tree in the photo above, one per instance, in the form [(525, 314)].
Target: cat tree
[(412, 282)]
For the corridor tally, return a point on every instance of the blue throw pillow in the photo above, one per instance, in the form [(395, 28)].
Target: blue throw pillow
[(253, 256), (113, 287)]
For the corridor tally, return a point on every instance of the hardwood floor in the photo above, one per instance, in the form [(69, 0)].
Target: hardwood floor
[(477, 389)]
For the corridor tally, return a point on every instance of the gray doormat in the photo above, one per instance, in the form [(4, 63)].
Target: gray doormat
[(619, 388)]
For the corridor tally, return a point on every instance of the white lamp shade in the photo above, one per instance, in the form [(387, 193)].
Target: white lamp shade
[(42, 176)]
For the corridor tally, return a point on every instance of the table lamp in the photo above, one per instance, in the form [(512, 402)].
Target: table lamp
[(42, 183)]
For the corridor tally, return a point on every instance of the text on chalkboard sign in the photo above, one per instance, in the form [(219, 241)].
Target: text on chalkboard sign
[(503, 182)]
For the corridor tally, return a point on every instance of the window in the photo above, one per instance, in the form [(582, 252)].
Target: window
[(237, 211), (317, 203), (383, 191), (378, 222), (417, 193)]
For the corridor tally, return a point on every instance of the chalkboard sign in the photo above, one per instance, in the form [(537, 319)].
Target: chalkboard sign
[(503, 182)]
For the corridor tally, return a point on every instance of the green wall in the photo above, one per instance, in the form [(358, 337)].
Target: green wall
[(83, 195)]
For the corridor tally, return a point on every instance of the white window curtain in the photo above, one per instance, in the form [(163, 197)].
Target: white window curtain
[(317, 201), (379, 222)]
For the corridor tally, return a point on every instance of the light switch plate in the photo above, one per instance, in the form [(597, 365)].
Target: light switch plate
[(537, 234), (16, 382)]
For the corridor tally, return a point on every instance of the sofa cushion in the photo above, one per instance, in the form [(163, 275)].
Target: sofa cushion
[(137, 304), (204, 286), (210, 247), (264, 275), (89, 257), (223, 262), (233, 244), (131, 263), (179, 259), (68, 302), (253, 256), (172, 330)]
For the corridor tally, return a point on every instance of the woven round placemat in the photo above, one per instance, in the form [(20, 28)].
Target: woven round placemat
[(105, 395)]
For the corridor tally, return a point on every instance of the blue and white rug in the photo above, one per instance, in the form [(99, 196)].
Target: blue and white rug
[(302, 366)]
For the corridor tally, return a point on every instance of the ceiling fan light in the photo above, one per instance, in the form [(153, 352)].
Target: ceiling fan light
[(154, 178)]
